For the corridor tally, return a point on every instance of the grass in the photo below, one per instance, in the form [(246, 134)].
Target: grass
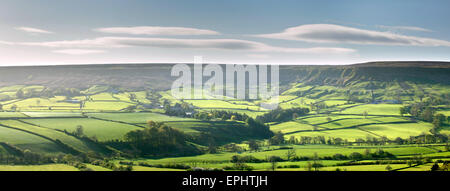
[(49, 133), (103, 130), (27, 141), (144, 168), (137, 117), (364, 167), (290, 126), (382, 120), (52, 114), (424, 167), (393, 131), (375, 109), (345, 134), (105, 105), (32, 104), (103, 97), (11, 114), (209, 160), (97, 168), (48, 167)]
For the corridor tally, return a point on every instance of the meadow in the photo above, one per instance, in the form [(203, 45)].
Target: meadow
[(90, 124)]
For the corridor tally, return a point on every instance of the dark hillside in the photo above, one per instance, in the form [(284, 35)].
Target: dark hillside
[(157, 76)]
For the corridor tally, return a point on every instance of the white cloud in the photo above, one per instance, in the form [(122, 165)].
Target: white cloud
[(33, 30), (156, 30), (78, 51), (260, 56), (407, 28), (224, 44), (6, 43), (329, 33)]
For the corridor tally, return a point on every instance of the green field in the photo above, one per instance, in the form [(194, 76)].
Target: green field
[(103, 130), (51, 167), (347, 112)]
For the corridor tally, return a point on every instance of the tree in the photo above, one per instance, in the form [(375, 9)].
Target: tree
[(290, 154), (253, 145), (388, 168), (427, 114), (159, 139), (273, 162), (356, 156), (316, 163), (277, 139), (308, 166), (365, 113), (132, 96), (403, 111), (19, 94), (435, 167), (294, 116), (79, 131), (14, 107), (438, 120), (292, 140)]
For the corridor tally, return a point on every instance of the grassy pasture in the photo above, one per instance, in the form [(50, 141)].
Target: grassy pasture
[(31, 104), (375, 109), (49, 133), (11, 114), (48, 167), (25, 140), (290, 126), (301, 150), (103, 130), (144, 168), (105, 105), (364, 167), (102, 97), (393, 131), (349, 134), (141, 117), (53, 114)]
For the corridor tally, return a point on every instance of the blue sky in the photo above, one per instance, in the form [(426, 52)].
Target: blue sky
[(232, 31)]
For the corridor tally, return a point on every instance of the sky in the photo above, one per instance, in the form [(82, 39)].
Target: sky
[(50, 32)]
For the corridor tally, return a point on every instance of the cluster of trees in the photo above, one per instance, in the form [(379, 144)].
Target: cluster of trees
[(48, 93), (291, 155), (314, 162), (178, 109), (281, 115), (106, 163), (221, 114), (423, 111), (252, 129), (278, 139), (258, 129), (317, 140), (317, 106), (173, 166), (157, 139), (25, 157), (423, 139)]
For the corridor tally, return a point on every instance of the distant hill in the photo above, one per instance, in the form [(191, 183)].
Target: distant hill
[(157, 76), (418, 64)]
